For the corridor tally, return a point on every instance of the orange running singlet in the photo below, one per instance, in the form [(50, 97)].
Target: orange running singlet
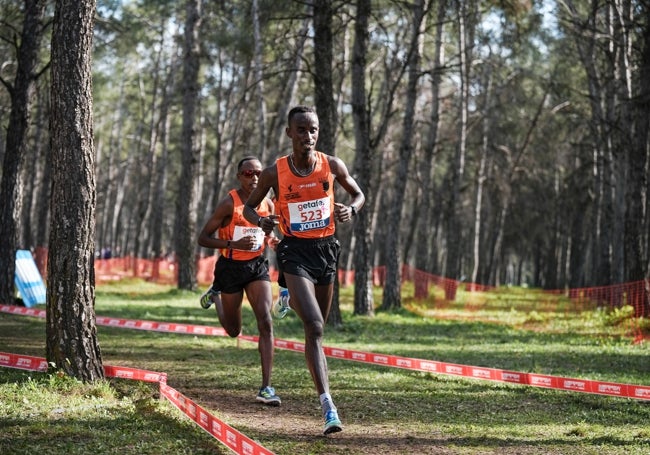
[(306, 204), (240, 227)]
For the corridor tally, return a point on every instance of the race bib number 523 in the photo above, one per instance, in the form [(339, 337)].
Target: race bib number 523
[(309, 215)]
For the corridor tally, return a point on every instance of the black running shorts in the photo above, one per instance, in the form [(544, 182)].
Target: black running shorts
[(314, 259), (232, 276)]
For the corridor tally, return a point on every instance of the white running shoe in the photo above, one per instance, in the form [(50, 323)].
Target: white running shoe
[(281, 306)]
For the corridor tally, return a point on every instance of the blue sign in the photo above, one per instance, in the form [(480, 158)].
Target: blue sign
[(28, 279)]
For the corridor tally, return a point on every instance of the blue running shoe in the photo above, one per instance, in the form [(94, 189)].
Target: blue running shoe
[(267, 395), (332, 422)]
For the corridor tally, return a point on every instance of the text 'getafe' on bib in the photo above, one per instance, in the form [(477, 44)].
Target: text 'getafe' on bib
[(305, 216), (245, 231)]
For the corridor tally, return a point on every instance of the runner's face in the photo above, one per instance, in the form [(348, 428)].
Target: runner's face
[(249, 175), (303, 132)]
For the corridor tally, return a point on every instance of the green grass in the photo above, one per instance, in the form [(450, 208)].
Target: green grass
[(384, 410)]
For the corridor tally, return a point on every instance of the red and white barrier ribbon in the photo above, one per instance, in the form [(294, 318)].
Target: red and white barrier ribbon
[(227, 435), (638, 392), (154, 326), (231, 438), (22, 362)]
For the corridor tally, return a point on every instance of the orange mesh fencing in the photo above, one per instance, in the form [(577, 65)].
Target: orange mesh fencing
[(630, 301), (632, 298)]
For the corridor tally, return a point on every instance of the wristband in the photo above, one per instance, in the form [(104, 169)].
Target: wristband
[(354, 210), (259, 221)]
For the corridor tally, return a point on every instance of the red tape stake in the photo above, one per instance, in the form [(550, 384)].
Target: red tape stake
[(637, 392)]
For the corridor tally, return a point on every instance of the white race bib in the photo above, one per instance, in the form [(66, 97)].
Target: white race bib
[(245, 231), (309, 215)]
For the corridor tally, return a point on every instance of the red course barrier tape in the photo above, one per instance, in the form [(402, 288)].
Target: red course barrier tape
[(227, 435), (230, 437), (637, 392), (128, 323)]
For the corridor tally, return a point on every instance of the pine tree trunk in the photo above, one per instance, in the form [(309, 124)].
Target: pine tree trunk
[(481, 178), (258, 66), (185, 211), (427, 218), (326, 107), (363, 300), (454, 231), (392, 291), (160, 175), (22, 94), (636, 227), (72, 343)]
